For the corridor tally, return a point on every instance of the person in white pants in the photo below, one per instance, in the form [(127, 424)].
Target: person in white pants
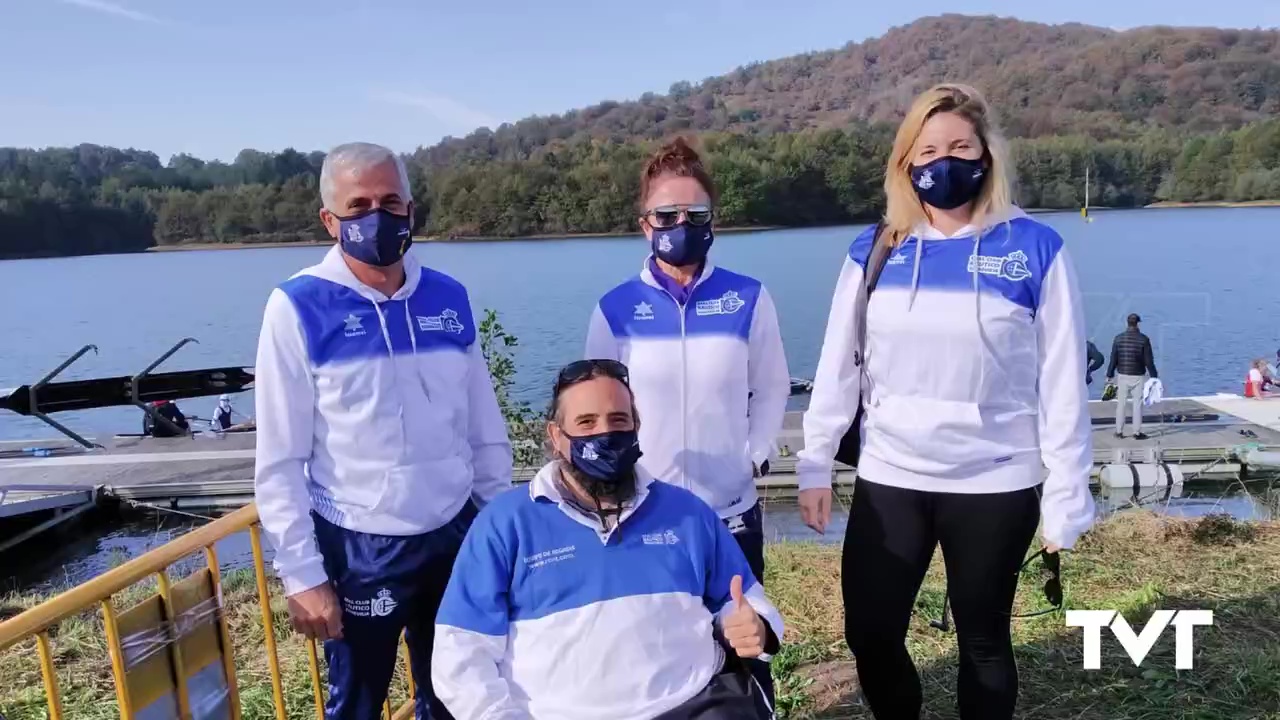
[(1132, 362), (1127, 385)]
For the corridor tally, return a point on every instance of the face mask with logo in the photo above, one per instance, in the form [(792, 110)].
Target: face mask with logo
[(375, 237), (948, 182), (605, 463), (683, 245)]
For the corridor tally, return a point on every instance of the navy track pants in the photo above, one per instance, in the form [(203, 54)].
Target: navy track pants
[(385, 584)]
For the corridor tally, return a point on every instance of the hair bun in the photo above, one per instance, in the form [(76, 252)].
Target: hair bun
[(675, 155)]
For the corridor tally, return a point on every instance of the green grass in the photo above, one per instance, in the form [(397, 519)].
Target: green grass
[(1135, 563)]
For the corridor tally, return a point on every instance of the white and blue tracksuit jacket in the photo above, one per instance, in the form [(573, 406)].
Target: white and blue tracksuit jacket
[(550, 616), (974, 370), (376, 412), (710, 379)]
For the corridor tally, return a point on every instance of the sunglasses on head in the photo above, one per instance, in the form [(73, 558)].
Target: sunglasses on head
[(668, 216), (581, 370)]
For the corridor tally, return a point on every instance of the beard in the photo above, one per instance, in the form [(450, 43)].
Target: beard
[(611, 491)]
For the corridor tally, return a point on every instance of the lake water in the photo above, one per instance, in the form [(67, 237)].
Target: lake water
[(1201, 278)]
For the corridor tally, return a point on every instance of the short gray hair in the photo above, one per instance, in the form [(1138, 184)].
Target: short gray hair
[(359, 156)]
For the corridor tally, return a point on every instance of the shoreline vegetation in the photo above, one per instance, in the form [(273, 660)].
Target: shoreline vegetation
[(1213, 204), (436, 239), (1182, 115), (1135, 562)]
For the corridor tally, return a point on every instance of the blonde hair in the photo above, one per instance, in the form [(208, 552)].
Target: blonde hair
[(904, 210)]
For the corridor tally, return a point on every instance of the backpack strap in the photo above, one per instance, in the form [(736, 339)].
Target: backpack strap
[(876, 258)]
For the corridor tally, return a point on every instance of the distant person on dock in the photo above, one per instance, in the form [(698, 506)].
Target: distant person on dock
[(379, 435), (1255, 383), (705, 352), (599, 592), (222, 414), (170, 411), (966, 360), (1095, 359), (1132, 362)]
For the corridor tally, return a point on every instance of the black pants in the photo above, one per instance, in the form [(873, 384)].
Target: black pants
[(751, 539), (729, 696), (887, 548)]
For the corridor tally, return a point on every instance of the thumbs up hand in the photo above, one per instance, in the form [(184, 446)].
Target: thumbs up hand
[(743, 628)]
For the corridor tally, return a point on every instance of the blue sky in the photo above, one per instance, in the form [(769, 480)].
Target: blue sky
[(214, 76)]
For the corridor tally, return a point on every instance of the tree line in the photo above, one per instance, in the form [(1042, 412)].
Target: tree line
[(1045, 79), (91, 199)]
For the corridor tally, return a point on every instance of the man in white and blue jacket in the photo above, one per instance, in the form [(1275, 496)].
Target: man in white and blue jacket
[(378, 435), (598, 592)]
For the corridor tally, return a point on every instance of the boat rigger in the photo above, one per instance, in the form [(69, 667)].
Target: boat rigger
[(144, 390), (1197, 438)]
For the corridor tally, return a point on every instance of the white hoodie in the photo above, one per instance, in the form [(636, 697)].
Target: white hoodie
[(377, 413), (974, 371), (710, 379)]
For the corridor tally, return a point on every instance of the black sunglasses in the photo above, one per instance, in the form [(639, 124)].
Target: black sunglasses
[(668, 216), (582, 370), (1052, 568)]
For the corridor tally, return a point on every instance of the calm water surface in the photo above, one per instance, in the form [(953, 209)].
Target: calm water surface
[(1207, 301), (1208, 304)]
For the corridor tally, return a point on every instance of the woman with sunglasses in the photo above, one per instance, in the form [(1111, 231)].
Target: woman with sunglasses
[(966, 358), (704, 351)]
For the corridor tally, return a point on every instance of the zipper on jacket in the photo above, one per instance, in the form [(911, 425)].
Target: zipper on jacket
[(684, 410), (684, 397)]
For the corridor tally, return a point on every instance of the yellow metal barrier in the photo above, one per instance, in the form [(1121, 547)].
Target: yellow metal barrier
[(160, 616)]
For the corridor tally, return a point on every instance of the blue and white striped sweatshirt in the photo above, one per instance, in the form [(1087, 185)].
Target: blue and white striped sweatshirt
[(974, 371), (710, 379), (547, 615), (376, 412)]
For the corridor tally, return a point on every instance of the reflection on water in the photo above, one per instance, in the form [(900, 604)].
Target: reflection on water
[(115, 538), (110, 539)]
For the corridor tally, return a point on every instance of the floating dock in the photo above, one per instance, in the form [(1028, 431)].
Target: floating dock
[(1202, 437), (37, 508)]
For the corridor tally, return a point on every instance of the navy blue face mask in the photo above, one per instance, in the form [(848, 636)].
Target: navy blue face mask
[(376, 236), (605, 463), (948, 182), (682, 245)]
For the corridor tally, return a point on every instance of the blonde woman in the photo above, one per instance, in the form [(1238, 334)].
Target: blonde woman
[(971, 378)]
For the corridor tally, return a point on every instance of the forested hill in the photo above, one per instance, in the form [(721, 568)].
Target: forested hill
[(1046, 80), (1157, 114)]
